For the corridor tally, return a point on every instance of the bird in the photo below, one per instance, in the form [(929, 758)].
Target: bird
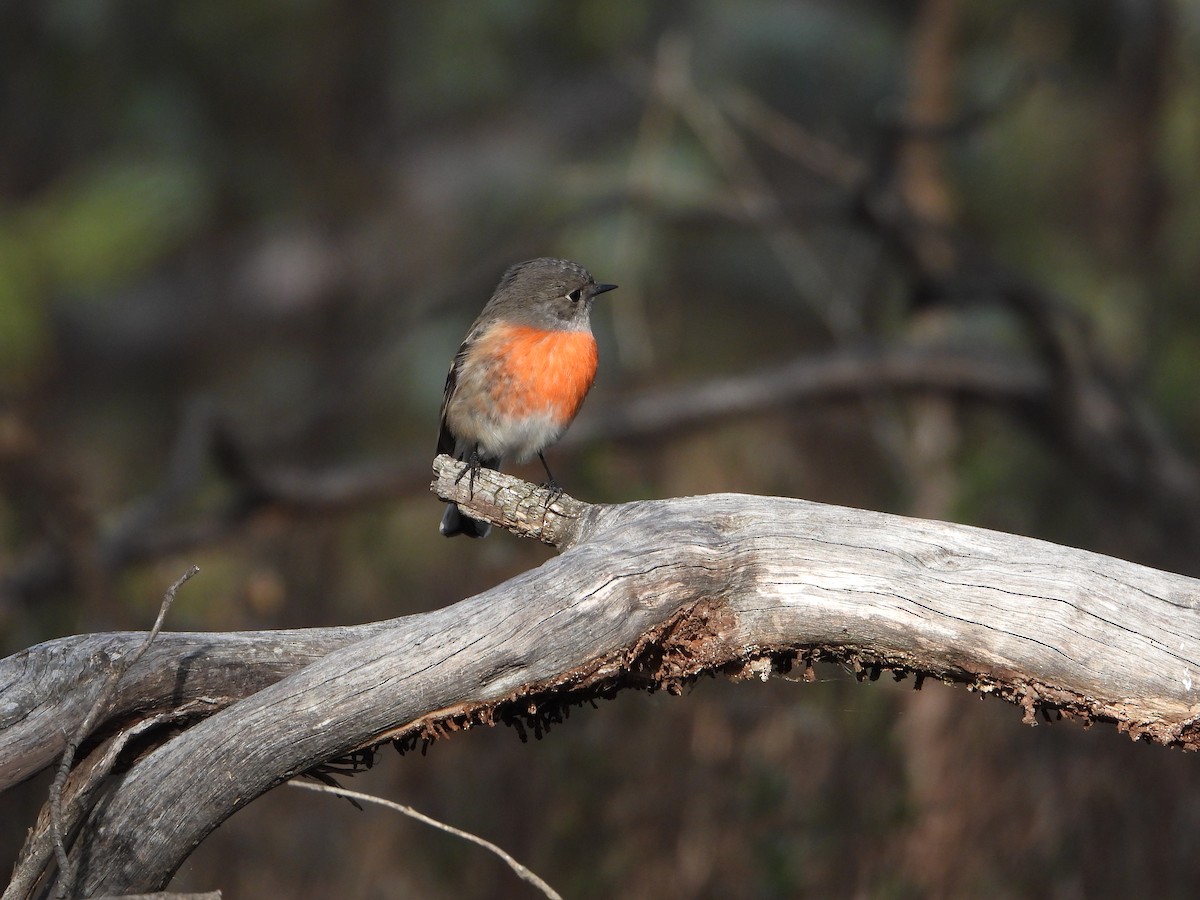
[(520, 375)]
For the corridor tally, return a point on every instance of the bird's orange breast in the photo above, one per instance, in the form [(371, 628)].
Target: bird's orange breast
[(536, 371)]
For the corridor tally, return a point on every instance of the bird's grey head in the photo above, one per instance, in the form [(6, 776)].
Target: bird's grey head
[(550, 293)]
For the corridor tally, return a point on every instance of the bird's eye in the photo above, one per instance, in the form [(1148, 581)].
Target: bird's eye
[(575, 295)]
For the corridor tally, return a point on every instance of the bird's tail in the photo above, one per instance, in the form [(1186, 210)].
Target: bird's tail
[(455, 521)]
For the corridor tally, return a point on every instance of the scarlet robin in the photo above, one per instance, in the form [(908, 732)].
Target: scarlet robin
[(521, 375)]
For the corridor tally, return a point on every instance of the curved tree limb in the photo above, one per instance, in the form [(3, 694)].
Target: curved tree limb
[(649, 595), (44, 690)]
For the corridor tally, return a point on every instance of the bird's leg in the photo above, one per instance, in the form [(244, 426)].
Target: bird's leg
[(551, 485), (472, 465)]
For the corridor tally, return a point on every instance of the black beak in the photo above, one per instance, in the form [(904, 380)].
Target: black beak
[(601, 288)]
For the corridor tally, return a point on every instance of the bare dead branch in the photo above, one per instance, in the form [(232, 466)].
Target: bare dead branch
[(650, 595), (45, 689)]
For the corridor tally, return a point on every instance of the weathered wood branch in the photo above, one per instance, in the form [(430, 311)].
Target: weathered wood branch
[(46, 691), (645, 595)]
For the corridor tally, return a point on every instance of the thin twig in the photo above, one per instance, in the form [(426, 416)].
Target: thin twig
[(103, 701), (519, 869), (89, 776)]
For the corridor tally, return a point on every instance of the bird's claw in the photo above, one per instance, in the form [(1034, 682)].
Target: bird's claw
[(471, 465)]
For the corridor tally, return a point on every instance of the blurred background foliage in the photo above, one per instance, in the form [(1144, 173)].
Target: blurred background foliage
[(246, 237)]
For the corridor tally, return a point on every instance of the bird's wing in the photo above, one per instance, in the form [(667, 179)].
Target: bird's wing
[(446, 442)]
